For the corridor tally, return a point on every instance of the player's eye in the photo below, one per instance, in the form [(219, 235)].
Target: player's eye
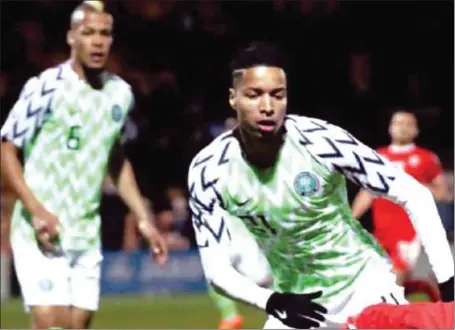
[(280, 95), (252, 95), (87, 32), (106, 33)]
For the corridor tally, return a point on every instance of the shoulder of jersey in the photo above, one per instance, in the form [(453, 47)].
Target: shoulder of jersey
[(118, 80), (308, 124), (427, 153), (46, 81), (382, 150), (217, 153), (313, 131)]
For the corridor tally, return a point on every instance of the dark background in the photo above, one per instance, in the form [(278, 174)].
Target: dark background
[(352, 63)]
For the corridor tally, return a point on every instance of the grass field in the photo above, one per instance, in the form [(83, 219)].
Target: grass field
[(171, 312), (143, 313)]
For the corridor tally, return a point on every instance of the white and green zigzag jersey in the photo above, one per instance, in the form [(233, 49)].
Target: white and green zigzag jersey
[(298, 210), (67, 130)]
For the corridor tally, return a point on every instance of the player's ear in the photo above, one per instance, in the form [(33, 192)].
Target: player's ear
[(70, 38), (232, 98)]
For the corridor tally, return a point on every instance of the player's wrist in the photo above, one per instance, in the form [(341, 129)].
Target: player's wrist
[(262, 297), (32, 205)]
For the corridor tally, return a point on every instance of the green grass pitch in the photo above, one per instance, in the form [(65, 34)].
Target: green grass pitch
[(136, 312)]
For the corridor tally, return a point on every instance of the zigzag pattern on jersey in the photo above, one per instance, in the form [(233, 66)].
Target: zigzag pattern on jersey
[(347, 155), (204, 197), (39, 101)]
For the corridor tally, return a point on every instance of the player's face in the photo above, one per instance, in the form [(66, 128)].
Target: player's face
[(92, 39), (260, 99), (403, 128)]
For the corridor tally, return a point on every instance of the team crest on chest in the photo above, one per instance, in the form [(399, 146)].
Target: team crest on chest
[(306, 184), (116, 113)]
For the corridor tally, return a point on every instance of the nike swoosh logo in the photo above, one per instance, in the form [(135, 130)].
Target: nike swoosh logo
[(241, 204), (282, 315)]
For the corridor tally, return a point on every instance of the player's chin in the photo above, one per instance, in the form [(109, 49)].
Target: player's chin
[(267, 135), (95, 65)]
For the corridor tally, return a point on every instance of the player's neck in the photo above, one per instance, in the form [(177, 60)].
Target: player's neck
[(401, 147), (262, 154), (91, 76)]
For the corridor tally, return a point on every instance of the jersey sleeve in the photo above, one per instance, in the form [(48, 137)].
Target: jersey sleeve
[(434, 168), (28, 113), (128, 128), (339, 151), (213, 235)]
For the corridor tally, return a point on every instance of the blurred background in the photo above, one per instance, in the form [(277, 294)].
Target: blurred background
[(353, 63)]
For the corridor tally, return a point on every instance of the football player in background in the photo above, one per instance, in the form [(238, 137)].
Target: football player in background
[(68, 120), (392, 226)]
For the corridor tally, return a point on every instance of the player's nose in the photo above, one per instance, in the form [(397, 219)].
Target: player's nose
[(97, 41), (266, 105)]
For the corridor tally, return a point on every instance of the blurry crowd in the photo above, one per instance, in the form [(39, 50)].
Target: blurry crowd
[(351, 63)]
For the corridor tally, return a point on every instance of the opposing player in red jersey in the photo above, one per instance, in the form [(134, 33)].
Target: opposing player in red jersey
[(392, 227), (426, 315)]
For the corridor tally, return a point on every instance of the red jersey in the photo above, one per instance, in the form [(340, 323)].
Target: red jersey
[(425, 315), (388, 217)]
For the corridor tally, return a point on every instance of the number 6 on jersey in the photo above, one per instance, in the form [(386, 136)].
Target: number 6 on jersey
[(74, 141)]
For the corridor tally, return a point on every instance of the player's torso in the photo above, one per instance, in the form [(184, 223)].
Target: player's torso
[(389, 215), (298, 212), (66, 162)]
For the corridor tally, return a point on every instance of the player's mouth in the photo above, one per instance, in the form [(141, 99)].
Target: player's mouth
[(97, 56), (266, 125)]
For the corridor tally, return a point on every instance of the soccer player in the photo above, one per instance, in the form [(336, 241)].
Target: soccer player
[(68, 122), (283, 177), (392, 226), (423, 315)]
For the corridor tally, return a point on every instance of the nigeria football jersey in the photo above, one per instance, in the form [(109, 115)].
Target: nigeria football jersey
[(298, 209), (67, 130)]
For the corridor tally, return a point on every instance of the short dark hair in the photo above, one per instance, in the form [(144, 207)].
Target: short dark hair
[(258, 53)]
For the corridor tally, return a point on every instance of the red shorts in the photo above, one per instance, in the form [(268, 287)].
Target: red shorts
[(427, 315)]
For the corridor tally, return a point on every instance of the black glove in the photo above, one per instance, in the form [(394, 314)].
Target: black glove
[(446, 290), (296, 310)]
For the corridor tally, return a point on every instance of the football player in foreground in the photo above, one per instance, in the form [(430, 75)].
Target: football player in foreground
[(283, 178)]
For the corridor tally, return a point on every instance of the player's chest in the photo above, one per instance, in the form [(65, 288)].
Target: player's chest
[(85, 105), (85, 118), (411, 163), (296, 190)]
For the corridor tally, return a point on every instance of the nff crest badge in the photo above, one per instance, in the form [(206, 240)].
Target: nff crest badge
[(306, 184), (116, 113)]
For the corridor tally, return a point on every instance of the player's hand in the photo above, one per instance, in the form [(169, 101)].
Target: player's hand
[(446, 290), (47, 227), (155, 240), (296, 310)]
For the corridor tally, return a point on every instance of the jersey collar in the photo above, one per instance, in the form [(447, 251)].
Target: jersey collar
[(404, 148)]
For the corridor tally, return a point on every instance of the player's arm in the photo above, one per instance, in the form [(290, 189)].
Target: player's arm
[(361, 203), (122, 175), (18, 129), (345, 154), (213, 240), (437, 185), (130, 237)]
